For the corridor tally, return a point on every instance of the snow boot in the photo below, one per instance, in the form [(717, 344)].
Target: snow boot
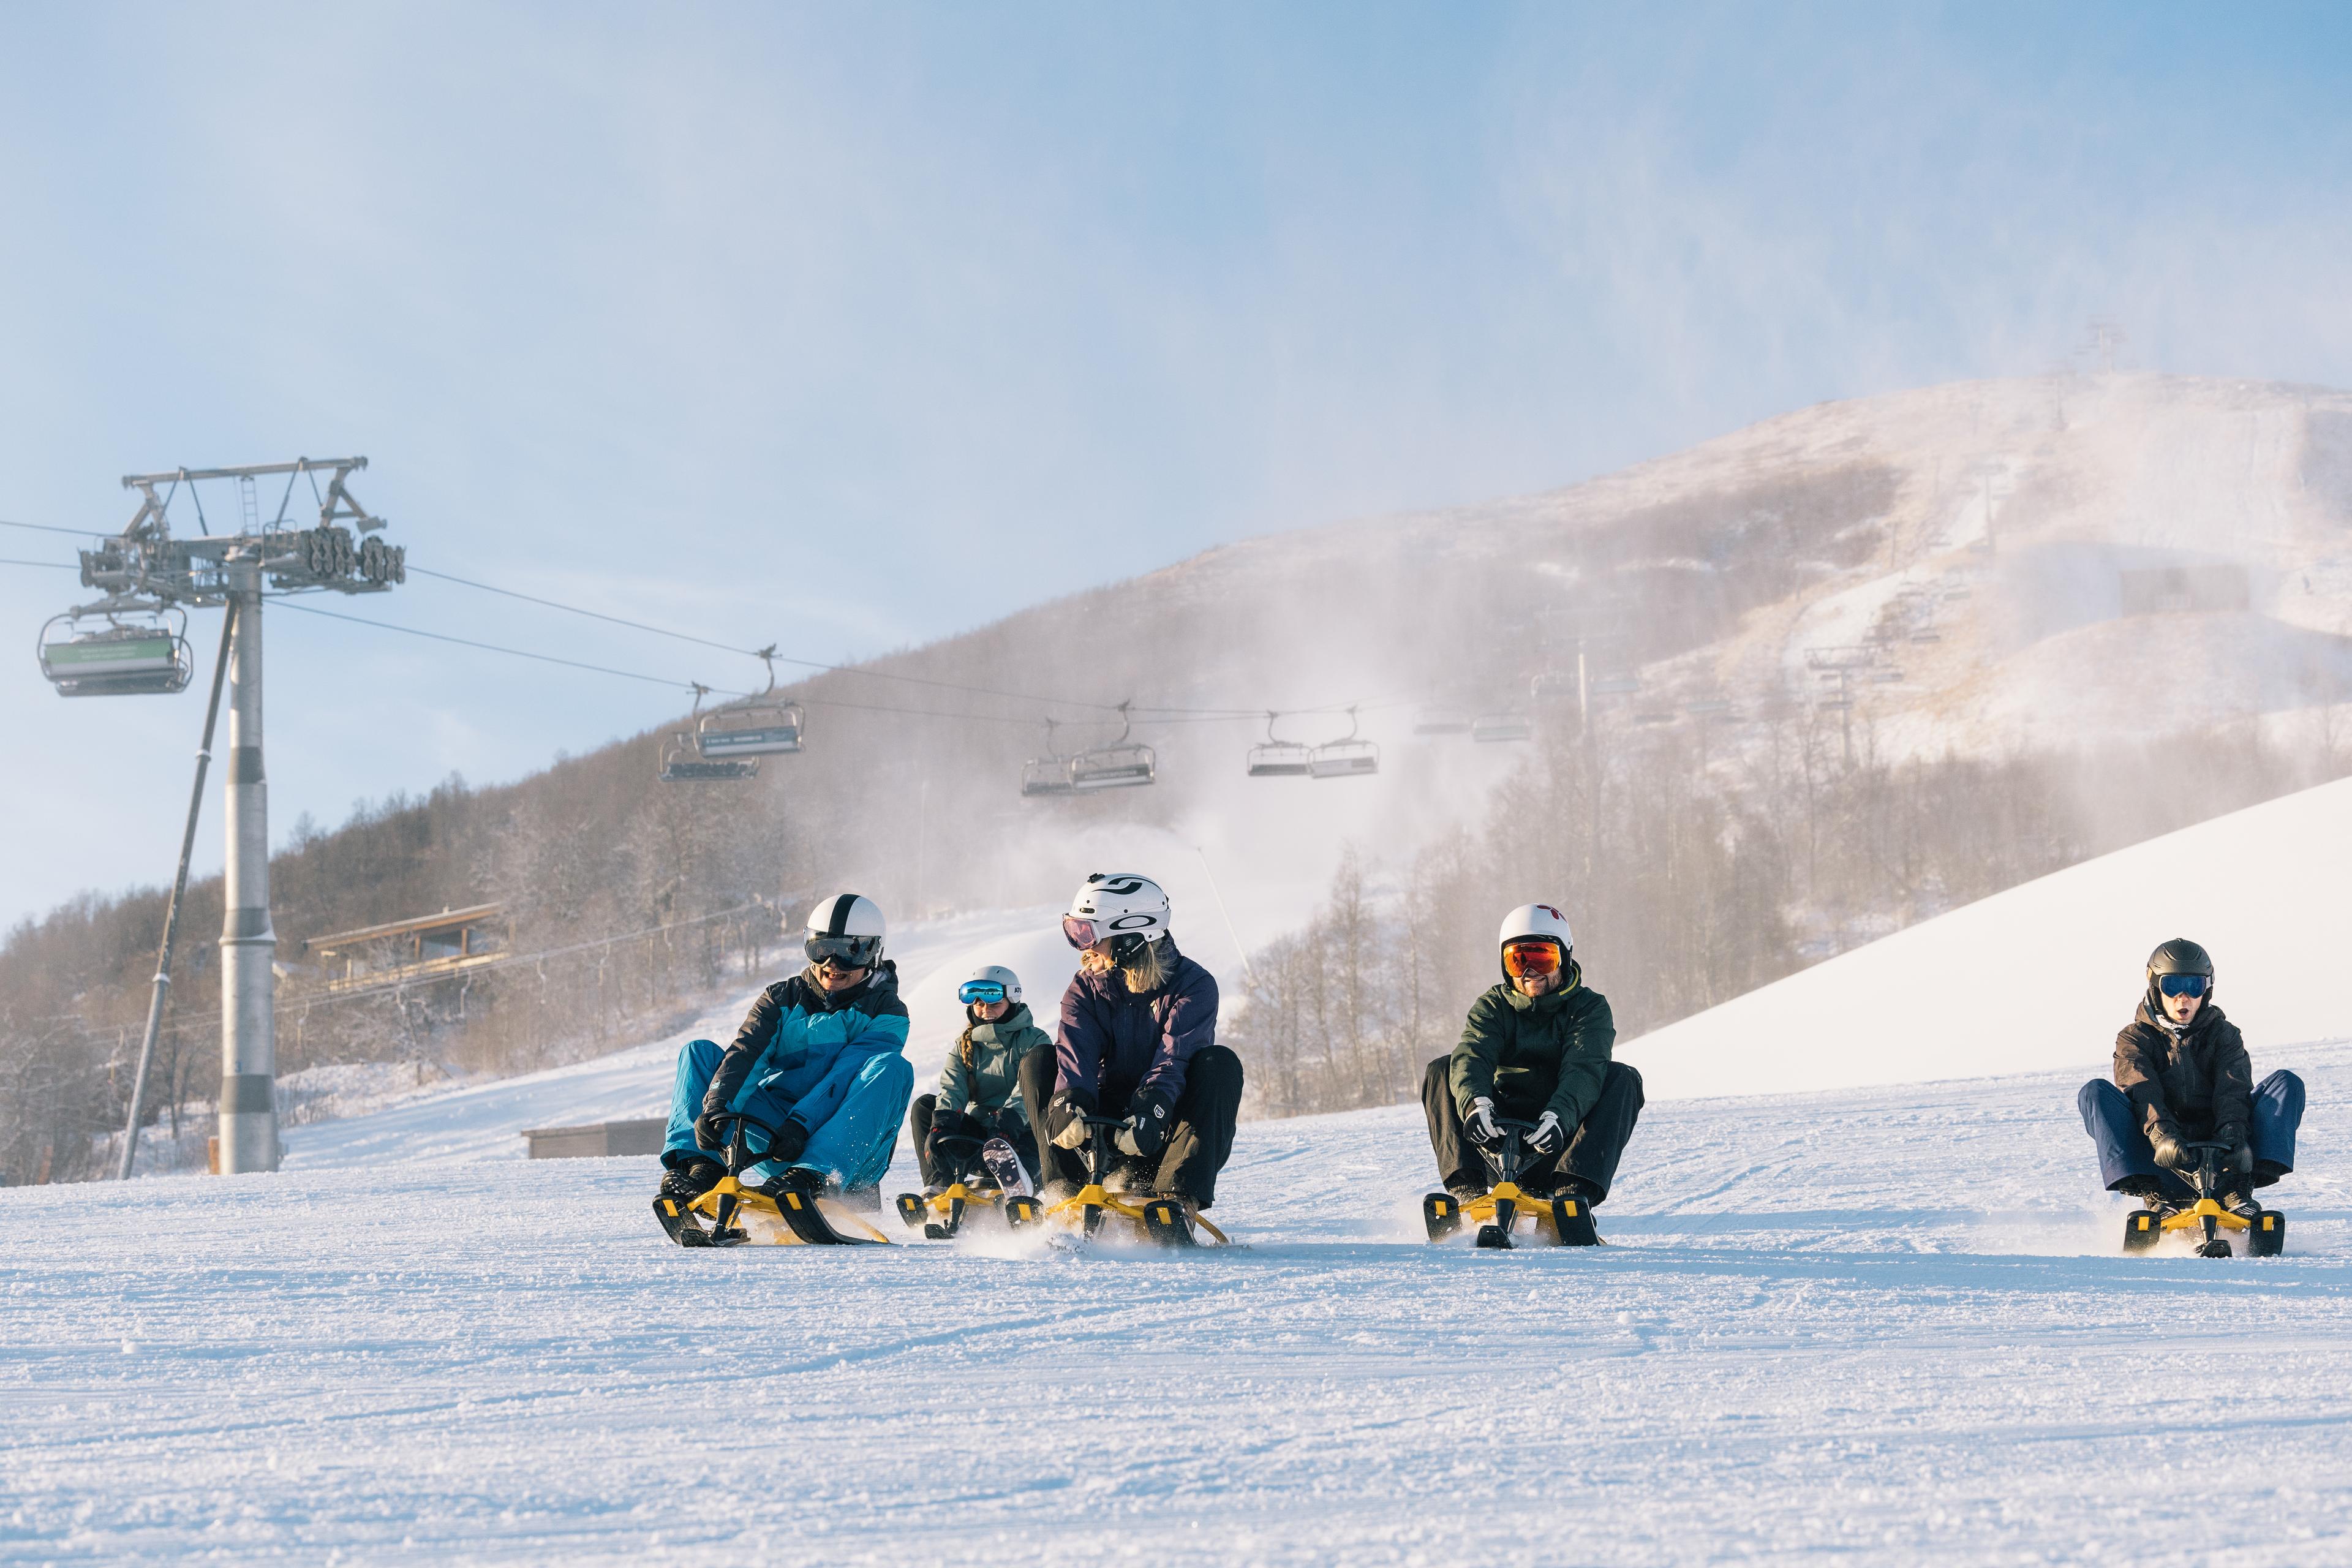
[(681, 1186)]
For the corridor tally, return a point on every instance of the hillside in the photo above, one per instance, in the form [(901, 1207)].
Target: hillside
[(1845, 669)]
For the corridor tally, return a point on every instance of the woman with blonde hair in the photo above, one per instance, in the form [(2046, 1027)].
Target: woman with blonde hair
[(1137, 1041)]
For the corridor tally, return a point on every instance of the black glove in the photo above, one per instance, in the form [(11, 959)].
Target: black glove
[(2241, 1157), (2170, 1154), (1066, 1116), (1478, 1124), (1548, 1138), (791, 1140), (710, 1133), (1146, 1132)]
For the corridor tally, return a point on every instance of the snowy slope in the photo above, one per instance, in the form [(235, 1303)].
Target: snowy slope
[(1885, 1325), (2043, 975)]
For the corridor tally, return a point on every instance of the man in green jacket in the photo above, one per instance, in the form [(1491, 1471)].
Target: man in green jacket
[(1536, 1050), (980, 1091)]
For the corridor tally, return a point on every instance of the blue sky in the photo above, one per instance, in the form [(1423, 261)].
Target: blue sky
[(849, 327)]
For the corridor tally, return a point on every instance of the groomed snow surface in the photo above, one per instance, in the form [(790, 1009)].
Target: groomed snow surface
[(1873, 1324), (1887, 1326)]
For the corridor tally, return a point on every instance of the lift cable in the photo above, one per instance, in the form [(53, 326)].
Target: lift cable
[(516, 652), (52, 527), (822, 666)]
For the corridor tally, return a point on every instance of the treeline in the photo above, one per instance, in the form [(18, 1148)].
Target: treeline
[(1689, 880), (626, 902)]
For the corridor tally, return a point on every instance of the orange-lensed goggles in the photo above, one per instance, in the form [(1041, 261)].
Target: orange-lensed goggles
[(1522, 959)]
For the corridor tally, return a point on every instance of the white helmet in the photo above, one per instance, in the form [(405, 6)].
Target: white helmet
[(1115, 904), (849, 927), (1532, 920), (990, 982)]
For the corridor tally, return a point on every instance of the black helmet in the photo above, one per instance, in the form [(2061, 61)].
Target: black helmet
[(2178, 956)]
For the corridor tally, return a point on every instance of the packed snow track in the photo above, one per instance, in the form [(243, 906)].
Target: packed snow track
[(1886, 1326)]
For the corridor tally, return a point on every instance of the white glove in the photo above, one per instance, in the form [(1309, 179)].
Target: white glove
[(1073, 1135), (1124, 1141), (1479, 1124), (1547, 1138)]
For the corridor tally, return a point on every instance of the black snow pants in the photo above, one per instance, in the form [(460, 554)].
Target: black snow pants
[(1592, 1150), (1199, 1144), (2127, 1163), (924, 1119)]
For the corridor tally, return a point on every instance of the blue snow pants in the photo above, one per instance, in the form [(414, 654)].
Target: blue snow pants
[(852, 1147), (2125, 1156)]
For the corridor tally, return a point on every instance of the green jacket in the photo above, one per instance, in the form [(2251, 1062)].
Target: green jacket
[(1530, 1055), (984, 1064)]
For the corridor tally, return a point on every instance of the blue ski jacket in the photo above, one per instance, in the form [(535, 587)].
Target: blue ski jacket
[(1114, 1045), (804, 1045)]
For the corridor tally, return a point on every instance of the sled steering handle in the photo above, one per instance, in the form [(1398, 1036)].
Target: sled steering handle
[(737, 1149)]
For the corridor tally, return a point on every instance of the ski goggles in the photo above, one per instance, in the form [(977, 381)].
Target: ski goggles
[(1523, 959), (1082, 934), (2184, 985), (849, 952), (980, 991)]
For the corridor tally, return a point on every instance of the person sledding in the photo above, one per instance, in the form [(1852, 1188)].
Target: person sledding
[(973, 1138), (1530, 1098), (2183, 1123), (1137, 1045), (813, 1085)]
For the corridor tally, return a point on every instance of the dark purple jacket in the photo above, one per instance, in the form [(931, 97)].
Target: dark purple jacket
[(1114, 1045)]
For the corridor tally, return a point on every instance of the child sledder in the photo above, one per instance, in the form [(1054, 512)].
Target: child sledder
[(2184, 1128), (1135, 1106), (973, 1138), (1527, 1114), (801, 1112)]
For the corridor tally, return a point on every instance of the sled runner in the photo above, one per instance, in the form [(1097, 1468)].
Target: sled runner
[(792, 1211), (979, 1180), (2205, 1216), (1563, 1220), (1170, 1222)]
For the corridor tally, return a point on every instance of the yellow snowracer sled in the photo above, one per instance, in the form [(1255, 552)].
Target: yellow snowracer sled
[(2265, 1233), (976, 1185), (740, 1216), (1558, 1221), (1170, 1222)]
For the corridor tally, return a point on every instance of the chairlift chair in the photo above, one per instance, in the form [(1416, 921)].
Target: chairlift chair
[(1280, 759), (1506, 726), (137, 653), (1348, 757), (1048, 774), (755, 727), (683, 763), (1553, 686), (1619, 685), (1118, 765), (1442, 721)]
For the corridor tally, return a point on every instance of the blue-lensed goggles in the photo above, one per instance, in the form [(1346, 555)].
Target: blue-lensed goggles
[(980, 990), (2184, 985)]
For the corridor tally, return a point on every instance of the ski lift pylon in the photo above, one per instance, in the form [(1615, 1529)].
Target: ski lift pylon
[(754, 727), (1350, 756), (1121, 763), (1280, 759), (142, 650)]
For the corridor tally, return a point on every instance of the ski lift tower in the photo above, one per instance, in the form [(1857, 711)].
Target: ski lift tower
[(146, 569)]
